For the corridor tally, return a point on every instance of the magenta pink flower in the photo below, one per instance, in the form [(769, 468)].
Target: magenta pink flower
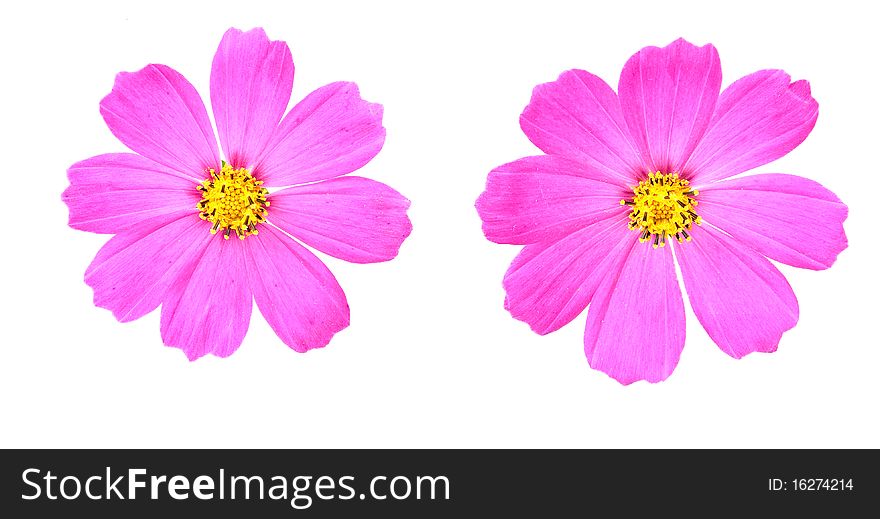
[(204, 237), (627, 174)]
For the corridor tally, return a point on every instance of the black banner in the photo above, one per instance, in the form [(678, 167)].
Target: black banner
[(426, 483)]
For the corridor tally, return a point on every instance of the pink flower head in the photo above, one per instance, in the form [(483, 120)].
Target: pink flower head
[(204, 237), (629, 176)]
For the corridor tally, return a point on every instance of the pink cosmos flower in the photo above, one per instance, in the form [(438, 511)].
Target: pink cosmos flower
[(204, 237), (629, 176)]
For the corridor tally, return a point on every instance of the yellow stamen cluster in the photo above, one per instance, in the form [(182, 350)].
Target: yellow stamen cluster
[(233, 200), (663, 207)]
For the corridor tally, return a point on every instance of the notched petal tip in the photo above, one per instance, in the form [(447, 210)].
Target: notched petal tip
[(194, 354), (680, 44), (769, 347), (259, 32), (124, 76), (541, 90), (66, 194), (801, 88), (322, 341), (191, 355), (537, 92), (798, 90), (235, 31), (223, 353), (401, 236), (376, 110), (626, 380), (483, 212)]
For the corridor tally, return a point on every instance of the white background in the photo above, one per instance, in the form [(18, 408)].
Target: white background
[(431, 358)]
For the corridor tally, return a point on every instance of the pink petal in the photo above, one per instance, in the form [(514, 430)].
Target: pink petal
[(668, 96), (351, 218), (133, 271), (295, 292), (759, 118), (549, 284), (784, 217), (116, 192), (251, 80), (157, 113), (329, 133), (578, 116), (635, 325), (543, 198), (741, 300), (209, 311)]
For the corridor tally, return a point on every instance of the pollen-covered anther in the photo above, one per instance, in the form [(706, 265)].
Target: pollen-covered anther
[(663, 208), (233, 201)]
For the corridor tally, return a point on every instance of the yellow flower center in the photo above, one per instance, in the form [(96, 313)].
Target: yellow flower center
[(662, 207), (234, 201)]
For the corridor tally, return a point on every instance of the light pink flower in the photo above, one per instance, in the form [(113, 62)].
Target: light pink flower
[(595, 236), (163, 202)]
